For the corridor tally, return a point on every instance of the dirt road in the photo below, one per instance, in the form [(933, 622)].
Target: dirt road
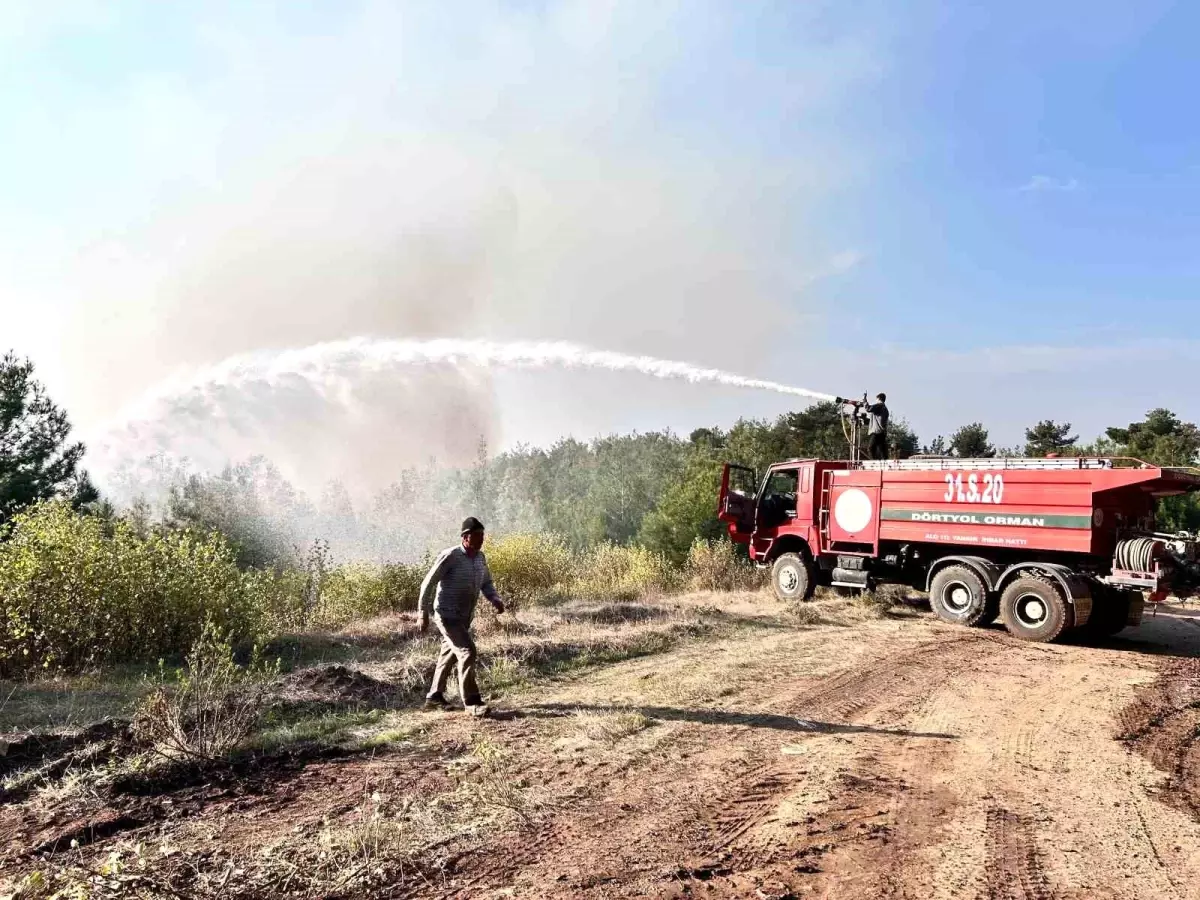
[(883, 757), (905, 759)]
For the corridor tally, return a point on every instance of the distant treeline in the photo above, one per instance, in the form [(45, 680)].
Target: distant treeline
[(657, 490)]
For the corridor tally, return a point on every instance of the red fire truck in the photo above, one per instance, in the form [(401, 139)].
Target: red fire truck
[(1045, 544)]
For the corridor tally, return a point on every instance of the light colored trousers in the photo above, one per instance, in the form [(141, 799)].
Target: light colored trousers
[(457, 646)]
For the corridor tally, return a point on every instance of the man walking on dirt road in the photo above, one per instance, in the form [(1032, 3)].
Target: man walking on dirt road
[(450, 592)]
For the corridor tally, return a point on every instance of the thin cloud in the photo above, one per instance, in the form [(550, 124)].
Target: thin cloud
[(838, 264), (846, 260), (1044, 183)]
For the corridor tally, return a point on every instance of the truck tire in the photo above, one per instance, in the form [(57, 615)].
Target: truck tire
[(792, 577), (1034, 609), (959, 596)]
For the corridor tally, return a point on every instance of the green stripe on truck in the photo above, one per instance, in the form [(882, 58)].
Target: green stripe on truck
[(1017, 519)]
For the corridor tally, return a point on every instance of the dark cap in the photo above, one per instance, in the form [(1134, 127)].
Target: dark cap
[(470, 523), (881, 396)]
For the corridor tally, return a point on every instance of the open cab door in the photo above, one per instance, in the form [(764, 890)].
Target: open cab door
[(737, 503)]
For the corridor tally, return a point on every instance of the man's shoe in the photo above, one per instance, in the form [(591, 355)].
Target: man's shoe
[(476, 707), (436, 702)]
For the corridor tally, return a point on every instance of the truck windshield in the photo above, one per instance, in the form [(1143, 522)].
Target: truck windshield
[(782, 481), (778, 501)]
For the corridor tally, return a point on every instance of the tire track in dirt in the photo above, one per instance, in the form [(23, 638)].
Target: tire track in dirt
[(1038, 794), (1014, 865), (1046, 758), (1033, 801), (1163, 725), (867, 797), (735, 787)]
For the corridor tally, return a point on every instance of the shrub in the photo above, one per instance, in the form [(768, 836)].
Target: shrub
[(77, 590), (530, 568), (362, 591), (215, 705), (879, 602), (612, 572), (280, 599), (716, 566)]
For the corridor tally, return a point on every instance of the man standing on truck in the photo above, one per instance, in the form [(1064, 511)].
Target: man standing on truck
[(877, 413), (450, 592), (877, 423)]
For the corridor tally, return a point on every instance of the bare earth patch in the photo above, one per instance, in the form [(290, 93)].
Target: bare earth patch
[(718, 745)]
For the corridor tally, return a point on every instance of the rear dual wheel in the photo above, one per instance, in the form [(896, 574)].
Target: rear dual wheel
[(1034, 609)]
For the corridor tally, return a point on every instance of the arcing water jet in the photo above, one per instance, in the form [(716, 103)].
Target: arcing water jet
[(258, 392), (334, 358)]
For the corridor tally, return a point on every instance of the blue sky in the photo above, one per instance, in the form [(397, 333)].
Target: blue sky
[(1085, 107), (989, 210)]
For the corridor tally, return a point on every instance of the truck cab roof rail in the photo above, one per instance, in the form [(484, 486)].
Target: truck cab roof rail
[(999, 463), (926, 464)]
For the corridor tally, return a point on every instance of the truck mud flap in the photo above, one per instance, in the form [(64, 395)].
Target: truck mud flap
[(1074, 587), (1137, 606), (1083, 609)]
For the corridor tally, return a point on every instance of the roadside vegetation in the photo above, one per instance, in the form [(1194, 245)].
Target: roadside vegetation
[(231, 623), (81, 592)]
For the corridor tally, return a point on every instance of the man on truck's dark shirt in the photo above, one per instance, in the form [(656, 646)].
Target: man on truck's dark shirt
[(877, 427)]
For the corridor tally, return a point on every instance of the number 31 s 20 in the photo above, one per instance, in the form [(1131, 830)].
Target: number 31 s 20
[(993, 488)]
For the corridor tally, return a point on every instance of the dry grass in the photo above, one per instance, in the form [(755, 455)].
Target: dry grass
[(392, 840), (805, 615), (213, 709), (716, 566), (880, 602), (69, 702), (517, 652), (609, 727), (702, 684), (76, 785)]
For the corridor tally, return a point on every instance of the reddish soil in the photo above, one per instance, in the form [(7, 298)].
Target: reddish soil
[(899, 758), (1163, 724)]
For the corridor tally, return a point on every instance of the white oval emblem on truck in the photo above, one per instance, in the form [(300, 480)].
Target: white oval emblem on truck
[(852, 511)]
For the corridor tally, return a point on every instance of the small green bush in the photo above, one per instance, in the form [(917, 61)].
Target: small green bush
[(615, 573), (76, 590), (362, 591), (79, 591), (530, 568), (715, 566)]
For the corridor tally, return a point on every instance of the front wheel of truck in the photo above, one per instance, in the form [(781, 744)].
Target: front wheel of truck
[(792, 577)]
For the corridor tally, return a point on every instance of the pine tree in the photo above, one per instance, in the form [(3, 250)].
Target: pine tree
[(36, 460), (1048, 437)]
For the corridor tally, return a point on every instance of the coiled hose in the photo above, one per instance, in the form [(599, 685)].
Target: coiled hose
[(1136, 555)]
